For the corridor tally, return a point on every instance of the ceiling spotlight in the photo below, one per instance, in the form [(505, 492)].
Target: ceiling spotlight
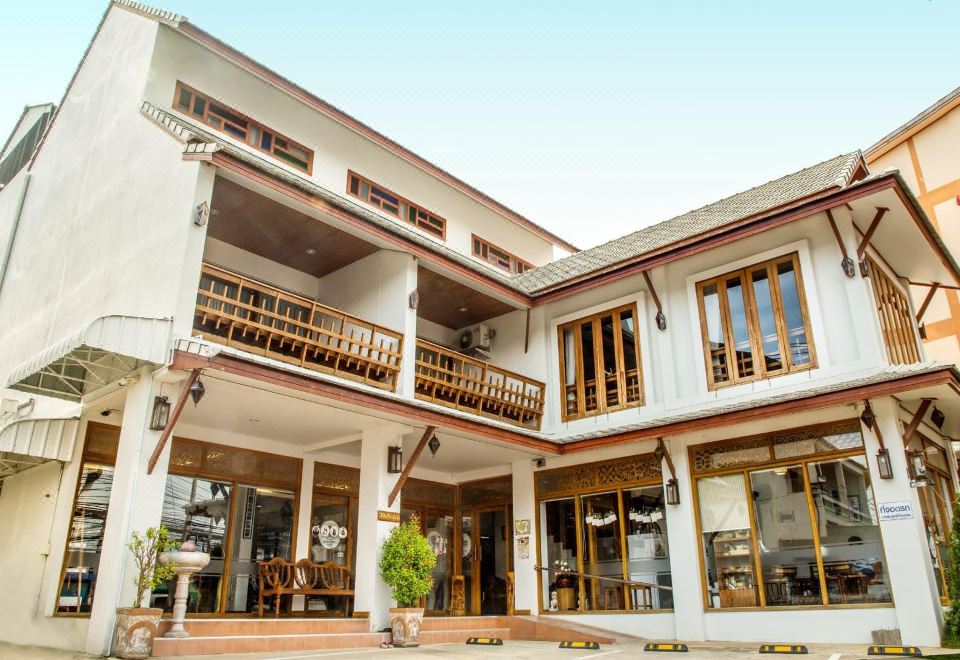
[(197, 390), (461, 309), (311, 251)]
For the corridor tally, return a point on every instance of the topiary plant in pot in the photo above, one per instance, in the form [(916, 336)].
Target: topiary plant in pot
[(137, 626), (405, 564)]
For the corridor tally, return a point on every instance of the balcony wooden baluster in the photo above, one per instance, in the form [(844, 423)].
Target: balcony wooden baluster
[(454, 380), (258, 318)]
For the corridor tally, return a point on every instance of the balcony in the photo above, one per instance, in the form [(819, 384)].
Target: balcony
[(258, 318), (454, 380)]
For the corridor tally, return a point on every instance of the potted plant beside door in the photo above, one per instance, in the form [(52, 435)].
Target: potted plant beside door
[(405, 565), (137, 626)]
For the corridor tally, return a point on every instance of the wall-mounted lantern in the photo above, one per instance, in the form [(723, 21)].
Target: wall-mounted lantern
[(394, 460), (160, 414), (197, 390), (433, 445), (917, 469), (883, 463), (673, 492)]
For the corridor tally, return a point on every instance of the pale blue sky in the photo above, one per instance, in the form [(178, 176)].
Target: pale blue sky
[(592, 119)]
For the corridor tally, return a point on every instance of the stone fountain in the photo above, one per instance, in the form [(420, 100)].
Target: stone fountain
[(186, 561)]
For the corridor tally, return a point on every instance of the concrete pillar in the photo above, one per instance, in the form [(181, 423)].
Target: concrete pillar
[(193, 252), (908, 563), (526, 583), (405, 281), (688, 610), (372, 594), (304, 539), (136, 503)]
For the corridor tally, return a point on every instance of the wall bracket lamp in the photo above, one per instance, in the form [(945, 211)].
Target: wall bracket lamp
[(160, 415), (394, 460)]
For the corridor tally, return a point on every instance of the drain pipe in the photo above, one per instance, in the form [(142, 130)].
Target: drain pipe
[(8, 250)]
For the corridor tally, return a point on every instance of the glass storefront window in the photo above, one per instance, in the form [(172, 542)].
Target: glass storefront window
[(853, 559), (439, 531), (559, 547), (197, 510), (85, 539), (648, 553), (333, 525), (602, 551), (788, 560), (727, 541)]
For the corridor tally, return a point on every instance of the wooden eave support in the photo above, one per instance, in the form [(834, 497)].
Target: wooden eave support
[(666, 456), (865, 241), (661, 317), (846, 262), (172, 421), (915, 422), (926, 301), (876, 427), (410, 463)]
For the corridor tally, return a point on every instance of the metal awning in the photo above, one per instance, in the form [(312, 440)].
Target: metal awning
[(35, 430), (104, 351)]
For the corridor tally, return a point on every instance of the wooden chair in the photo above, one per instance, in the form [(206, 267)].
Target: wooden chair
[(278, 578)]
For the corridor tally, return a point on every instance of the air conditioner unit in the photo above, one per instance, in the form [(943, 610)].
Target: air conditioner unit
[(476, 338)]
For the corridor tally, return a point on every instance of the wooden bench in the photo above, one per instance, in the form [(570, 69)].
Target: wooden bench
[(278, 578)]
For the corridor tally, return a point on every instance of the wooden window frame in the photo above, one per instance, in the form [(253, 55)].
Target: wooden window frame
[(895, 315), (407, 211), (793, 461), (577, 494), (281, 153), (87, 456), (579, 383), (753, 323), (509, 262)]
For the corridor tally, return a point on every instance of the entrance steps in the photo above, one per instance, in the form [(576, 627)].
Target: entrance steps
[(232, 636)]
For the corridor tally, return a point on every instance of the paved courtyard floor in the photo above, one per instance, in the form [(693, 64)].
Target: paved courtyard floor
[(519, 650)]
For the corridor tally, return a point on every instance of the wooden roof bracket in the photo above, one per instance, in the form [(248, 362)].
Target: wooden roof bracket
[(424, 439), (849, 268), (865, 241), (172, 421), (915, 422), (661, 453), (660, 318), (923, 309)]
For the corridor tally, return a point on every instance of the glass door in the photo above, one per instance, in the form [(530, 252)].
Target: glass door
[(263, 529), (333, 524)]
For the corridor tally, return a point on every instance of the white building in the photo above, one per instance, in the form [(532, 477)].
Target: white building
[(192, 217)]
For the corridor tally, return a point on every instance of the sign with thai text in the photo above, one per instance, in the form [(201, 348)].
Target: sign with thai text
[(388, 516), (895, 510)]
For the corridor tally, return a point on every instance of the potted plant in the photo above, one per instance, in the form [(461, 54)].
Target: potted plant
[(137, 626), (562, 570), (405, 565), (951, 623)]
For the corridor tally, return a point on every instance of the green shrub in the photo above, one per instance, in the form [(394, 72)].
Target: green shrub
[(146, 549), (406, 563)]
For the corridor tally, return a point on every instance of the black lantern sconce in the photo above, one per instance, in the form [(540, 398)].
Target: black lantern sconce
[(394, 460), (868, 417), (883, 463), (197, 390), (434, 445), (161, 413), (673, 492), (917, 469), (937, 417)]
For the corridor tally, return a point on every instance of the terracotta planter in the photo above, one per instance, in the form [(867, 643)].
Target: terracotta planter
[(134, 632), (405, 625)]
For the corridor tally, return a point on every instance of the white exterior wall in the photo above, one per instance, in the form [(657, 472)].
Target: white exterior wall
[(107, 216), (337, 148)]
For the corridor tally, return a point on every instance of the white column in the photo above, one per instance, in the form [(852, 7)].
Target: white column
[(193, 252), (303, 520), (685, 570), (406, 281), (136, 503), (524, 508), (372, 594), (908, 564)]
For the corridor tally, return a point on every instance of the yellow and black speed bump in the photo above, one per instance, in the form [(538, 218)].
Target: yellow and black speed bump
[(665, 647), (783, 648), (485, 641), (909, 651), (579, 645)]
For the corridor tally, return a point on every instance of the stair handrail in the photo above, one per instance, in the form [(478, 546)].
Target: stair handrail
[(631, 583)]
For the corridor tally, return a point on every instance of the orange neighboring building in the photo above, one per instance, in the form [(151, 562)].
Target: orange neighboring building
[(926, 150)]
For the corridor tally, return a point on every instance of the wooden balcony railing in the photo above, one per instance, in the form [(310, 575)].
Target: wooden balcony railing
[(255, 317), (457, 381)]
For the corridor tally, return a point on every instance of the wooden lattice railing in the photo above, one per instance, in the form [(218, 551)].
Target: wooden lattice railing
[(457, 381), (258, 318)]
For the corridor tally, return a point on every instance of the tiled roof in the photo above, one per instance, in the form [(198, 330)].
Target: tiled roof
[(950, 99), (831, 174)]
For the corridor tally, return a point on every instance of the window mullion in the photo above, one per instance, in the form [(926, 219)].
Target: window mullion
[(753, 325), (733, 369), (777, 300), (815, 525), (600, 376), (578, 374), (627, 605), (621, 367), (754, 540)]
